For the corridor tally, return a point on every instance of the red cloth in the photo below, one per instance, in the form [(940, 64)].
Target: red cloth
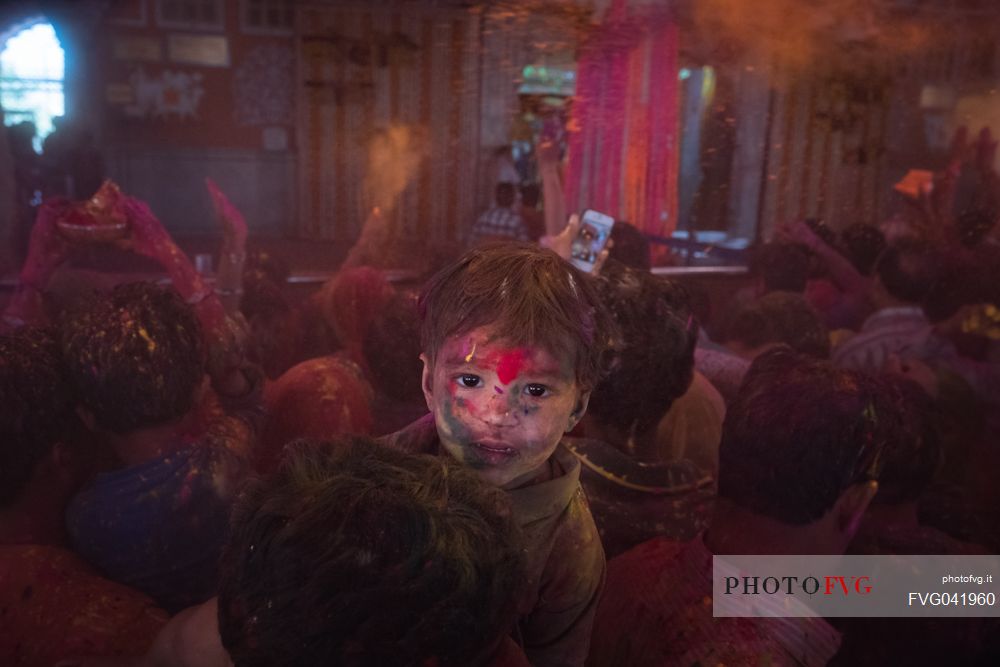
[(53, 606), (657, 611), (320, 398)]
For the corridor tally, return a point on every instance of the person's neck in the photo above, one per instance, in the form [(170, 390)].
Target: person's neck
[(734, 530), (34, 518), (149, 443), (879, 517), (639, 446)]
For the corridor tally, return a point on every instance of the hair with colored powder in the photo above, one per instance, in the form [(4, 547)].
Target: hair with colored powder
[(799, 433), (36, 406), (357, 554), (914, 455), (322, 397), (653, 356), (135, 356), (529, 296), (781, 317)]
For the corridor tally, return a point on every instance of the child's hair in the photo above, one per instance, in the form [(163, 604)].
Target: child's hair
[(36, 406), (529, 295), (356, 554), (135, 356)]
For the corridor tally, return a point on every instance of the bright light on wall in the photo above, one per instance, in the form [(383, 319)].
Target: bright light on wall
[(32, 67)]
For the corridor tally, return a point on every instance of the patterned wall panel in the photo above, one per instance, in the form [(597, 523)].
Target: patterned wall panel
[(363, 69)]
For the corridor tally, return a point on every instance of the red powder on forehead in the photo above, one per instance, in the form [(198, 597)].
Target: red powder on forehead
[(509, 364)]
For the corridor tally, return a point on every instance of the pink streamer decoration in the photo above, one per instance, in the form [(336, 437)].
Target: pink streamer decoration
[(594, 173)]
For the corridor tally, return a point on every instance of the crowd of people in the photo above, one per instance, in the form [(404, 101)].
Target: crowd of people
[(514, 463)]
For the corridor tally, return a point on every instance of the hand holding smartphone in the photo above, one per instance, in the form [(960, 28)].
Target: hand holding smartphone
[(591, 239)]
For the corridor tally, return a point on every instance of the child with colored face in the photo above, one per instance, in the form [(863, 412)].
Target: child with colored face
[(513, 339), (501, 409)]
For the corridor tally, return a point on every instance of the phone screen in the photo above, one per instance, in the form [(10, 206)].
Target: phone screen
[(595, 231)]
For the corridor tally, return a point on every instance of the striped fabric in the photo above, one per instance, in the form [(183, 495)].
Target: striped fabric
[(903, 331)]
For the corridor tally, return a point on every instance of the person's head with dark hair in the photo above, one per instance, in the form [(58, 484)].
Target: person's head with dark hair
[(261, 264), (135, 357), (629, 246), (514, 338), (862, 244), (802, 448), (37, 408), (778, 318), (907, 270), (324, 397), (351, 301), (505, 194), (654, 353), (530, 194), (780, 267), (392, 349), (356, 554), (913, 455), (958, 280)]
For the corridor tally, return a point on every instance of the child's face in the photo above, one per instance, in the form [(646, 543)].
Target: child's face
[(501, 410)]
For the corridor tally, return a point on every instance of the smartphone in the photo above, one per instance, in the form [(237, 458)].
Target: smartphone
[(595, 231)]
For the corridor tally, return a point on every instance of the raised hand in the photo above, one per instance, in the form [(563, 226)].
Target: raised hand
[(146, 236), (47, 248), (562, 243), (798, 232), (234, 226)]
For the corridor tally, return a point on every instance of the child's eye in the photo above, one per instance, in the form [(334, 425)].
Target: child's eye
[(470, 381), (536, 390)]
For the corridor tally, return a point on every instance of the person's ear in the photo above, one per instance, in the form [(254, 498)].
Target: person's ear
[(851, 506), (427, 382), (579, 410)]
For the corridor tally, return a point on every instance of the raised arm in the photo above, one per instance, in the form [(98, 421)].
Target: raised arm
[(46, 251), (232, 255), (841, 270), (552, 188), (223, 338)]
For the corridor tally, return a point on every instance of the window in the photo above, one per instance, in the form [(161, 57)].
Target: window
[(31, 78), (191, 14), (268, 16)]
